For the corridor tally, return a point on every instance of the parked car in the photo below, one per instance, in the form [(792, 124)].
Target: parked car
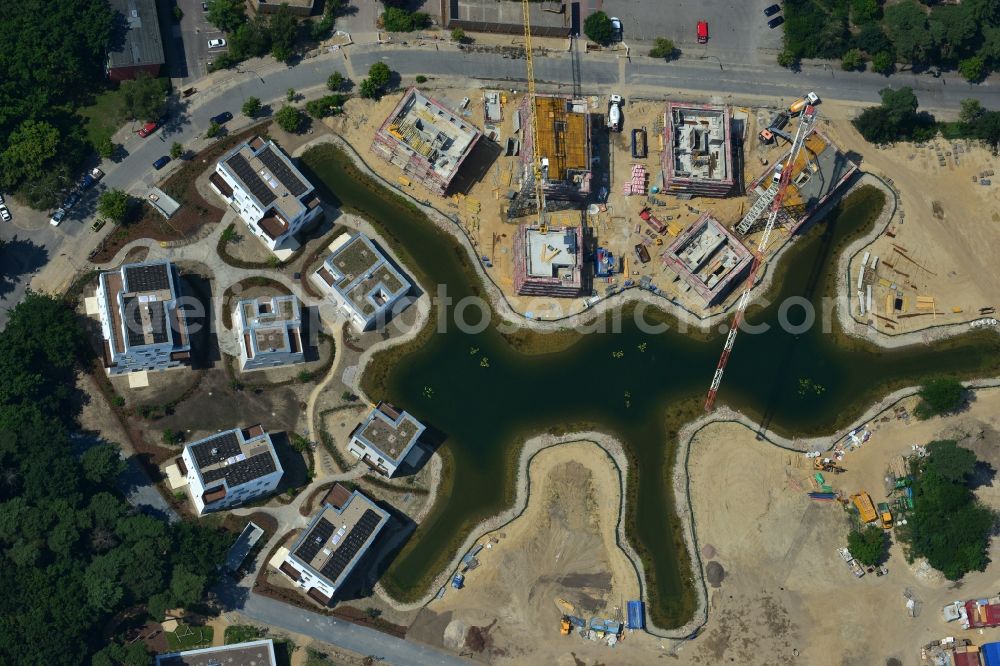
[(772, 10), (1, 198), (204, 6), (702, 32), (57, 217), (85, 182), (148, 129), (71, 200), (161, 162), (775, 22), (4, 213), (223, 117), (216, 43), (96, 174), (616, 29)]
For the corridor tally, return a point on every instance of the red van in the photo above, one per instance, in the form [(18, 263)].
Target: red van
[(702, 32)]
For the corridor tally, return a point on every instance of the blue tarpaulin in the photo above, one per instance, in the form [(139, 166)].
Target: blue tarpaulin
[(636, 615), (991, 654)]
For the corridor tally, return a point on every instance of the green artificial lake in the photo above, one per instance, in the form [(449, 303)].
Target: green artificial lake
[(639, 387)]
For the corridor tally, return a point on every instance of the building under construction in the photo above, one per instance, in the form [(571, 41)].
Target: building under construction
[(709, 258), (564, 151), (426, 140), (548, 261), (698, 160), (819, 171)]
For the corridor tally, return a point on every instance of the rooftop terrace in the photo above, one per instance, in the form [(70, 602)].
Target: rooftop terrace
[(390, 431), (358, 271)]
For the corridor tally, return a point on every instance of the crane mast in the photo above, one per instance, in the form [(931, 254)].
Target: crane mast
[(805, 125), (537, 165)]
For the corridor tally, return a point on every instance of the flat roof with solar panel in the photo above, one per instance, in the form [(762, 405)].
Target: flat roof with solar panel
[(338, 537), (139, 313), (251, 653), (237, 456), (267, 175)]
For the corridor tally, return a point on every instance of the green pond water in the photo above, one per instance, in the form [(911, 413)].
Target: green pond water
[(605, 381)]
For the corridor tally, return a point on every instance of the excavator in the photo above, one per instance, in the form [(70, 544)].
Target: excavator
[(827, 465)]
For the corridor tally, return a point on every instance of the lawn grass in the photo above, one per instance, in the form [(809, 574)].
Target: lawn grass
[(188, 638), (104, 116)]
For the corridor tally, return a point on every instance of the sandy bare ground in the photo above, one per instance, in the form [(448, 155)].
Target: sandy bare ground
[(785, 588), (948, 226), (562, 546)]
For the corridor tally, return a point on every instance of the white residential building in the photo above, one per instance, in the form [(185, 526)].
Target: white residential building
[(270, 195), (230, 468), (334, 542), (360, 281), (385, 439), (269, 330), (142, 326)]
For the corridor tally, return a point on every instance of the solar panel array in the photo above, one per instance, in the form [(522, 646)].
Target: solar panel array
[(315, 540), (133, 321), (226, 445), (147, 278), (278, 167), (158, 319), (243, 471), (351, 544), (245, 173)]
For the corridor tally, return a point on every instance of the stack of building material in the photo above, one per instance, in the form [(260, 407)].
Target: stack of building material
[(637, 185)]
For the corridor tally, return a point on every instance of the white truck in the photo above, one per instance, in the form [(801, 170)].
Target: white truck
[(615, 113)]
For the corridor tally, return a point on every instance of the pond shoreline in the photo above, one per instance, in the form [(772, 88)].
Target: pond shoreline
[(682, 518)]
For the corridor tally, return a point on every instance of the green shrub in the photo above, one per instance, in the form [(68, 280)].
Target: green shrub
[(662, 48), (598, 28)]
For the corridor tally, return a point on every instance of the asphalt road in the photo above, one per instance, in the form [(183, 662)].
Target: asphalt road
[(353, 637)]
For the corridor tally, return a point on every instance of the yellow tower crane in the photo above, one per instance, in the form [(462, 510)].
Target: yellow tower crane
[(537, 161)]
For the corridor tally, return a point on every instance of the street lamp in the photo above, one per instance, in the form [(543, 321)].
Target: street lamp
[(716, 58)]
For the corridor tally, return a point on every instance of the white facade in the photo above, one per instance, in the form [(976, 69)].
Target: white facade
[(361, 282), (142, 326), (229, 468), (265, 189), (385, 439), (269, 332)]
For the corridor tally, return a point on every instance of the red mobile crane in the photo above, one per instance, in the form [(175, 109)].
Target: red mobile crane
[(805, 125)]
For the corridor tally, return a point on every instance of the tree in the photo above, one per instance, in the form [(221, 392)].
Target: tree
[(788, 59), (290, 95), (176, 150), (940, 396), (865, 11), (458, 35), (973, 69), (186, 587), (395, 19), (598, 28), (380, 74), (289, 119), (30, 148), (283, 26), (852, 60), (368, 89), (335, 82), (226, 15), (178, 13), (105, 147), (950, 461), (251, 39), (987, 129), (662, 48), (867, 545), (213, 130), (883, 63), (251, 107), (144, 98), (906, 24), (133, 653), (972, 110), (325, 106), (420, 78), (952, 28), (102, 463), (113, 205), (159, 604), (872, 39)]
